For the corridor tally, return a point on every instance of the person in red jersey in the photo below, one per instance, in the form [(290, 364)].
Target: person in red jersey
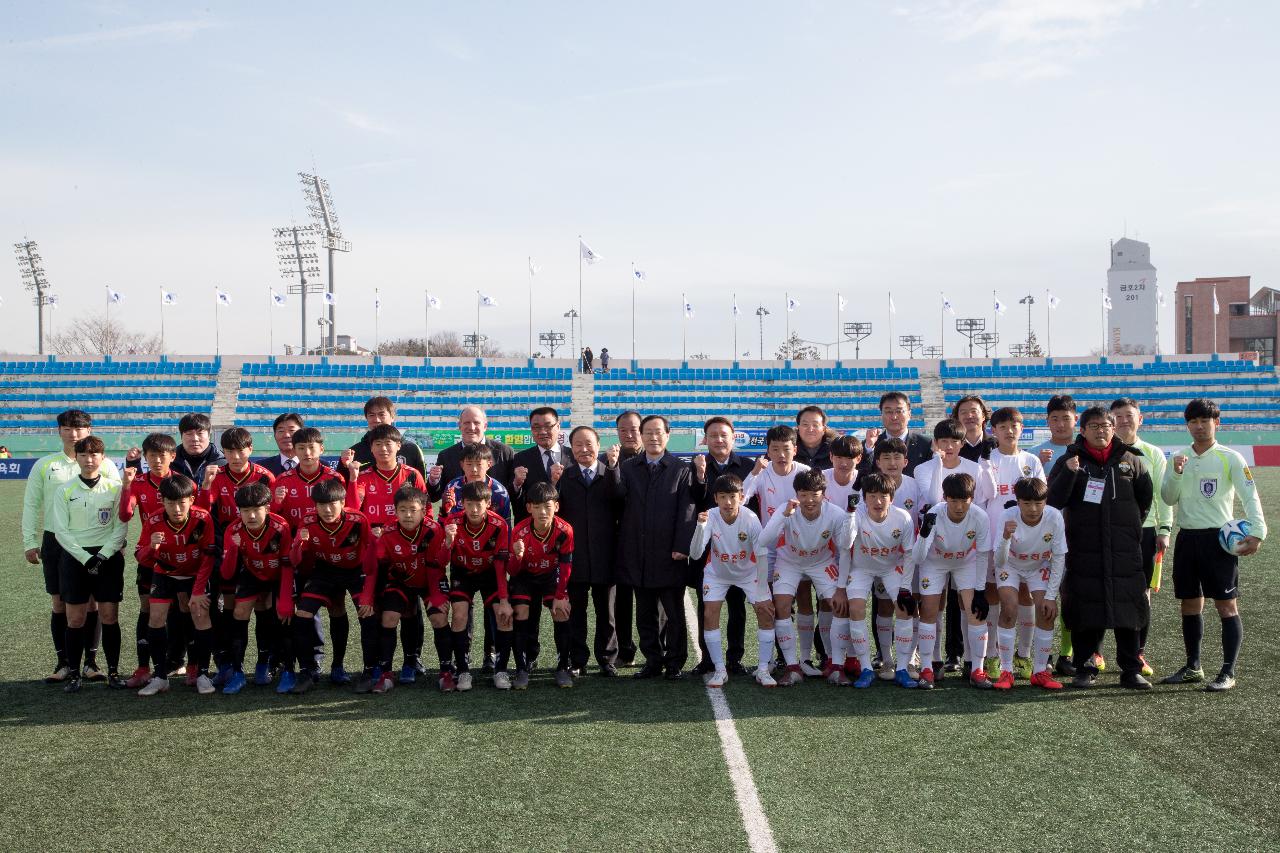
[(292, 495), (541, 561), (255, 558), (478, 539), (372, 489), (334, 550), (411, 559), (177, 546), (141, 493)]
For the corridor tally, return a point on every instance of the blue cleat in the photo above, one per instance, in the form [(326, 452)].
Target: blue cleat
[(234, 684), (904, 679), (262, 674), (408, 674), (224, 675), (338, 675), (865, 679), (287, 679)]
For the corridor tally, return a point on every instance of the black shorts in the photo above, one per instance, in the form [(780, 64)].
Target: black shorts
[(1149, 553), (165, 589), (50, 558), (329, 585), (527, 588), (1201, 569), (401, 599), (144, 580), (249, 586), (463, 585), (78, 586)]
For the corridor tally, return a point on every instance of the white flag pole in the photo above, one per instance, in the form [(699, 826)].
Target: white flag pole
[(271, 324), (530, 306), (377, 309), (1048, 326), (839, 317), (477, 324), (684, 328), (217, 317), (633, 304), (581, 327), (735, 327), (787, 296), (162, 318), (426, 323), (891, 325), (942, 326)]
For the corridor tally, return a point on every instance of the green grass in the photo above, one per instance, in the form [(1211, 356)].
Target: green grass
[(621, 765)]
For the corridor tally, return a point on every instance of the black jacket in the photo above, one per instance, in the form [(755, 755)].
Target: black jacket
[(193, 466), (409, 454), (593, 512), (450, 459), (1104, 585), (819, 459), (531, 459), (974, 452), (919, 449), (272, 463), (657, 521), (738, 465)]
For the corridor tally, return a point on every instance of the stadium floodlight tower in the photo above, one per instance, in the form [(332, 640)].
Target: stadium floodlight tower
[(932, 352), (988, 342), (970, 327), (551, 340), (857, 332), (911, 343), (296, 250), (572, 315), (31, 266), (320, 206)]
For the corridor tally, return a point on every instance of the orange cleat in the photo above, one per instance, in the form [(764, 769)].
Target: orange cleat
[(1044, 679), (1005, 681)]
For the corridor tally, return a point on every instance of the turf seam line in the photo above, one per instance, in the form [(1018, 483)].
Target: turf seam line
[(754, 820)]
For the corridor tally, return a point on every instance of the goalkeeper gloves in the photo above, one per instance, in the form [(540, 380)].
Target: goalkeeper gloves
[(94, 563), (907, 602), (980, 607)]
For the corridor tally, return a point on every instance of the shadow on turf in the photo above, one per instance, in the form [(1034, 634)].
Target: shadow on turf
[(592, 700)]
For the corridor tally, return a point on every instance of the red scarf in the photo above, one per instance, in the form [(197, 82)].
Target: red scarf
[(1100, 456)]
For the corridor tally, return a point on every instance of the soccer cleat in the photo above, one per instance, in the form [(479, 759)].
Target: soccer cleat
[(157, 684), (235, 683), (704, 667), (287, 680), (792, 676), (564, 678), (191, 676), (1185, 675), (90, 672), (764, 679), (262, 675), (115, 682), (992, 666), (926, 680), (369, 677), (718, 678), (447, 683), (1021, 668), (903, 679), (838, 678), (1084, 680), (1223, 682), (1005, 681), (877, 662), (384, 683), (72, 685), (886, 671), (1098, 662), (408, 674), (204, 685), (1147, 670), (488, 667), (464, 682), (521, 681), (502, 680), (223, 675), (139, 678), (978, 678), (1064, 667), (852, 666), (62, 673), (304, 683), (810, 670), (953, 664), (1134, 681), (338, 675), (865, 679), (1045, 680)]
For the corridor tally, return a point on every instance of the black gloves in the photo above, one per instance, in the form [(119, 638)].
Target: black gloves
[(94, 563), (907, 602), (926, 524), (980, 606)]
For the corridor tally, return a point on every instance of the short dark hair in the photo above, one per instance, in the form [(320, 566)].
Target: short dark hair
[(477, 450), (330, 490), (194, 420), (666, 424), (409, 494), (1093, 413), (75, 418), (476, 491), (717, 419), (308, 435), (1031, 489), (811, 410), (1060, 403), (1121, 402), (845, 446), (544, 410), (579, 428), (782, 433), (957, 486), (253, 494), (810, 481), (541, 493), (1201, 407), (91, 444), (894, 395), (877, 483), (949, 428), (385, 432), (288, 416), (177, 487), (236, 438), (727, 484), (971, 398), (375, 403), (628, 413), (159, 442), (891, 445), (1006, 413)]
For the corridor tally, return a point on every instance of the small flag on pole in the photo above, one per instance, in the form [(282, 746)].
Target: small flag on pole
[(791, 304), (487, 301), (53, 302), (585, 251), (1000, 306), (688, 308), (167, 298), (947, 306), (893, 309), (844, 303), (1160, 297), (534, 269), (115, 297), (433, 302), (640, 275), (1054, 301), (377, 304), (1106, 300), (329, 298), (1216, 309), (223, 298), (278, 299)]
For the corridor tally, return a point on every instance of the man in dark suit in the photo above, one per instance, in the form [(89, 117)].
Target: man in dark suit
[(472, 423), (627, 425), (589, 502), (541, 463), (720, 458), (895, 414), (653, 553), (283, 428)]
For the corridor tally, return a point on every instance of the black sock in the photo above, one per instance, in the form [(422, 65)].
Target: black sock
[(560, 630), (411, 636), (158, 643), (386, 647), (143, 646), (304, 637), (284, 652), (239, 640), (265, 625), (189, 637), (1142, 638), (111, 646), (1192, 634), (370, 634), (91, 638), (74, 644), (444, 646), (519, 639), (58, 628), (176, 631), (202, 647), (340, 629), (223, 632), (461, 646), (1232, 636)]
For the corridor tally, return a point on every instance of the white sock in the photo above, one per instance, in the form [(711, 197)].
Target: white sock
[(840, 639), (716, 653), (785, 631), (993, 626), (859, 644), (1042, 649), (902, 639), (764, 636), (1004, 643), (825, 618), (1026, 625), (884, 633), (928, 637), (977, 642), (804, 629)]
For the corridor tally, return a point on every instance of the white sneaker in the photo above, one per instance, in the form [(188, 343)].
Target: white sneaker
[(157, 684), (718, 678), (764, 679), (886, 671), (204, 685), (838, 678), (464, 681), (810, 670), (502, 680)]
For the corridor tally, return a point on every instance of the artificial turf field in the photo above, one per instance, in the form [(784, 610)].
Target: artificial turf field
[(623, 765)]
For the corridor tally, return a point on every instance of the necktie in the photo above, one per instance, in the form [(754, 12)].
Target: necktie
[(588, 474), (547, 455), (289, 464)]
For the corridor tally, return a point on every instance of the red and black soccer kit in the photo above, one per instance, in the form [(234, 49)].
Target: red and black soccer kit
[(220, 500), (258, 562), (542, 573), (411, 566), (374, 493), (291, 498), (478, 559), (183, 552), (334, 560), (144, 498)]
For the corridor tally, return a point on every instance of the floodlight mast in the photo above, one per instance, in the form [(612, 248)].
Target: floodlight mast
[(31, 267), (296, 251), (320, 206)]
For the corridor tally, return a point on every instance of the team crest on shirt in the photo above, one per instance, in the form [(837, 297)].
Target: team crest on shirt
[(826, 534), (1248, 475), (742, 536), (971, 535), (1026, 470), (897, 533), (706, 590), (852, 503), (1004, 576), (1126, 468), (924, 583), (1048, 537), (908, 503), (1208, 486), (104, 516)]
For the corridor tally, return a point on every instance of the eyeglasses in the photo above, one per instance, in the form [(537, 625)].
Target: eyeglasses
[(542, 427), (1101, 426)]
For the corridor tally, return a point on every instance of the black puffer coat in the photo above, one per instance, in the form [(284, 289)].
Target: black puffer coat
[(1104, 585)]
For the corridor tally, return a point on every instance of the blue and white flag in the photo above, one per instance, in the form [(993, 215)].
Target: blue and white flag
[(222, 298), (329, 298), (1054, 301), (947, 306), (585, 251), (167, 298), (1000, 306), (278, 299), (487, 301), (114, 297)]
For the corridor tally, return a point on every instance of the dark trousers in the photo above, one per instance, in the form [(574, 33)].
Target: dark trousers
[(663, 643), (606, 643), (955, 626), (735, 606), (624, 598), (1087, 642)]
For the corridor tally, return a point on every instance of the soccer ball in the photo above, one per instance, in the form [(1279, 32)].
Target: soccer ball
[(1231, 535)]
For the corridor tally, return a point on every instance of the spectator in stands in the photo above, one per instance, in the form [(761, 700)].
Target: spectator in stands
[(627, 426), (604, 359), (582, 360), (589, 502), (378, 411), (895, 415), (589, 359), (542, 463), (472, 423), (283, 428), (653, 554), (1061, 416), (815, 439), (972, 413), (720, 458)]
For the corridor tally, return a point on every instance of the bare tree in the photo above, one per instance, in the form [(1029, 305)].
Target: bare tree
[(795, 349), (444, 344), (95, 334)]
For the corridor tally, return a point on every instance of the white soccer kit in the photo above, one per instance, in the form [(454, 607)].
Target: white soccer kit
[(996, 478), (845, 497), (1035, 556), (907, 496), (773, 489), (930, 474), (880, 550), (810, 549), (952, 548), (739, 556)]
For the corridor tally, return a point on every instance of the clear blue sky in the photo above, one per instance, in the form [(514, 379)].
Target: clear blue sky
[(756, 148)]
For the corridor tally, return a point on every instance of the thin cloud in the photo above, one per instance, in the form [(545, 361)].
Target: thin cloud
[(162, 31), (358, 120), (663, 86)]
